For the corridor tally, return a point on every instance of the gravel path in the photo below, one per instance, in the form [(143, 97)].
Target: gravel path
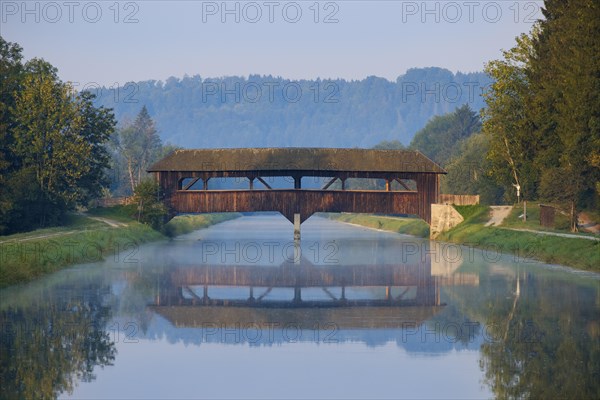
[(498, 214), (566, 235)]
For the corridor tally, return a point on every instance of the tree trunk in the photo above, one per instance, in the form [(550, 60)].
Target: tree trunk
[(131, 177), (511, 162), (573, 217)]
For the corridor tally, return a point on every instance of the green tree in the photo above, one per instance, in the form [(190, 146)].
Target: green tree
[(513, 142), (60, 136), (565, 72), (389, 145), (11, 70), (543, 114), (53, 155), (468, 171), (150, 208), (136, 147), (442, 137)]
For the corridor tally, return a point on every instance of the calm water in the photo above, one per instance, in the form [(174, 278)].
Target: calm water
[(236, 311)]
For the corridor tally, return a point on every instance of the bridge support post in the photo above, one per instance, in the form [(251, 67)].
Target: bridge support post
[(296, 227)]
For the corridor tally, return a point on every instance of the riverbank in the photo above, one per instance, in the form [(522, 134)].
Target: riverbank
[(91, 237), (408, 226), (576, 252)]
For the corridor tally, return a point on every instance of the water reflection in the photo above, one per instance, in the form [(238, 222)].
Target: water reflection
[(51, 342), (546, 340), (395, 304)]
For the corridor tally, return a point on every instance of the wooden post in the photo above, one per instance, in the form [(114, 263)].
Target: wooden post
[(573, 217), (524, 210), (251, 180), (388, 185)]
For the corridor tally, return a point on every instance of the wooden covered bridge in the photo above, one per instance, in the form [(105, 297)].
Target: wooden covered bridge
[(411, 181)]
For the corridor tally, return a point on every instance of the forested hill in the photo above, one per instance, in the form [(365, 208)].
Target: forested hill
[(263, 111)]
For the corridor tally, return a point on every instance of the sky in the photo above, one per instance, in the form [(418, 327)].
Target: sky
[(109, 42)]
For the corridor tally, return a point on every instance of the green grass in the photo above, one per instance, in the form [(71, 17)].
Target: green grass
[(561, 222), (22, 261), (408, 226), (578, 253), (188, 223), (26, 256), (72, 222), (475, 214)]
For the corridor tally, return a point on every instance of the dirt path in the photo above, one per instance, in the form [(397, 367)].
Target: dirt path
[(498, 214), (48, 235), (110, 222)]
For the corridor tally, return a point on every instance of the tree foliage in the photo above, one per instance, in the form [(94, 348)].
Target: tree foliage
[(443, 135), (543, 114), (264, 111), (468, 171), (53, 154), (150, 208), (135, 147)]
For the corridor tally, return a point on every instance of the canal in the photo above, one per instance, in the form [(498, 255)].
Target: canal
[(237, 310)]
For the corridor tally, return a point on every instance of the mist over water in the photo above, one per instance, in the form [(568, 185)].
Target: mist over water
[(237, 310)]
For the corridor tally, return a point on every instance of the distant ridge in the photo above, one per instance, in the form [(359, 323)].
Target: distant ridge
[(267, 111)]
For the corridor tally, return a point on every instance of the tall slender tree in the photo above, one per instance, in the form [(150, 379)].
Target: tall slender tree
[(512, 140), (137, 146)]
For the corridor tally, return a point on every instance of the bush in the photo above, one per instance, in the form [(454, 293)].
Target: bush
[(150, 209)]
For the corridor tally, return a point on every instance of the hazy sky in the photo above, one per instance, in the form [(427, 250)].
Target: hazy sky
[(110, 42)]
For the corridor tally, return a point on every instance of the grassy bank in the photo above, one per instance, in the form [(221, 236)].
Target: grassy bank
[(26, 256), (582, 254), (408, 226), (188, 223), (578, 253)]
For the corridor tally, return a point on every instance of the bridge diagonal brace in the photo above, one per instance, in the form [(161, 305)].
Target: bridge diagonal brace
[(261, 180), (402, 183), (192, 183), (329, 293), (191, 293), (401, 295), (259, 298), (329, 183)]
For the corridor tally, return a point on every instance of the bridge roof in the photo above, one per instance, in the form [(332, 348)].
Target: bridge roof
[(303, 317), (297, 159)]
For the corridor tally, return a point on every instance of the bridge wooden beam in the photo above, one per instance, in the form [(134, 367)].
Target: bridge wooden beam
[(192, 183), (261, 180), (329, 183), (402, 183)]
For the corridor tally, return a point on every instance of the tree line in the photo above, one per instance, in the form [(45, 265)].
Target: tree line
[(59, 150), (271, 111), (542, 118), (52, 143), (538, 138)]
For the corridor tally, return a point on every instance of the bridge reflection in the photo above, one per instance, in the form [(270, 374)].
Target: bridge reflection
[(303, 293)]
